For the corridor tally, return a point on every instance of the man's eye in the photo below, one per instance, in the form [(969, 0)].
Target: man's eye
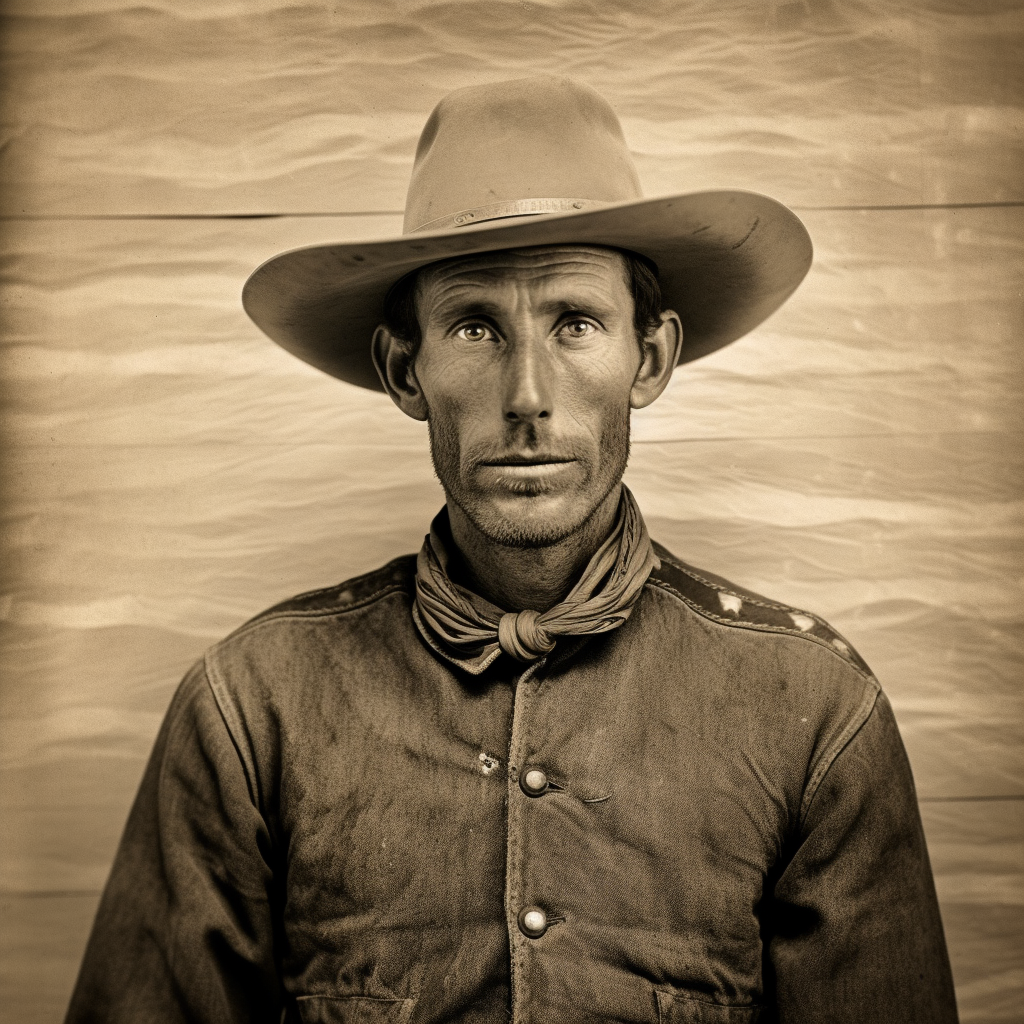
[(578, 328), (474, 332)]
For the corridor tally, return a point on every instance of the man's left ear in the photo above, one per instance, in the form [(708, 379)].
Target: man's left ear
[(659, 353)]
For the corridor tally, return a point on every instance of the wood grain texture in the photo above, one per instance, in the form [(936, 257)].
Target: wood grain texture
[(133, 332), (167, 471), (221, 107), (977, 852), (41, 943)]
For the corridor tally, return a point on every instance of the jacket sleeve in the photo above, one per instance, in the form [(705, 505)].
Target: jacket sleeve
[(856, 934), (183, 931)]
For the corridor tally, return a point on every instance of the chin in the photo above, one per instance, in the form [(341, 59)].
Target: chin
[(529, 520)]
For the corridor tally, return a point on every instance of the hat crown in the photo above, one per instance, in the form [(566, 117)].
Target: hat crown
[(486, 151)]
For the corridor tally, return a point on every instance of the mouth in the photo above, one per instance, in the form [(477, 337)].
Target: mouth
[(522, 466), (527, 460), (534, 473)]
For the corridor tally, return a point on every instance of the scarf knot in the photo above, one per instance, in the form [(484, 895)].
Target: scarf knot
[(477, 630), (521, 635)]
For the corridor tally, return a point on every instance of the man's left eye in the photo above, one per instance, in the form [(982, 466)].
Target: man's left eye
[(578, 328)]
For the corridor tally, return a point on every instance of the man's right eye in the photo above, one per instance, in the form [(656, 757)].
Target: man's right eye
[(474, 332)]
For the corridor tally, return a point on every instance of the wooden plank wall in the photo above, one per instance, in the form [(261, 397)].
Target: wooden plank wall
[(167, 472)]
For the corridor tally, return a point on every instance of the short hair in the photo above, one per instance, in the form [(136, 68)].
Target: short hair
[(641, 276)]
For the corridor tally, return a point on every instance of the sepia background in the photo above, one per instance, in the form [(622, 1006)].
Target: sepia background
[(167, 472)]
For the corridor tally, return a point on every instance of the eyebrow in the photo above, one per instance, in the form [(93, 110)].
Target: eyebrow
[(462, 306), (457, 307)]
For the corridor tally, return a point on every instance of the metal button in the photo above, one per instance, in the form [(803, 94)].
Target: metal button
[(533, 922), (533, 781)]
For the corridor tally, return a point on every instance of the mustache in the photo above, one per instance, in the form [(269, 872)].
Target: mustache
[(518, 453), (523, 443)]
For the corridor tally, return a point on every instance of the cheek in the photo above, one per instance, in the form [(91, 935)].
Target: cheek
[(454, 426), (610, 366), (457, 435), (465, 413), (599, 394), (444, 420), (450, 385)]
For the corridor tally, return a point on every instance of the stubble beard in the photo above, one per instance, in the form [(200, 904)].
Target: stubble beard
[(447, 457)]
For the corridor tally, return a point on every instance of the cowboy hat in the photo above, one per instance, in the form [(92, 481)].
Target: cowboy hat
[(540, 161)]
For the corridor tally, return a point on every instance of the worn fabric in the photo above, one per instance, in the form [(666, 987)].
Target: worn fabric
[(332, 827), (601, 600)]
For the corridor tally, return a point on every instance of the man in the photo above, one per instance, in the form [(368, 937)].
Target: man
[(543, 771)]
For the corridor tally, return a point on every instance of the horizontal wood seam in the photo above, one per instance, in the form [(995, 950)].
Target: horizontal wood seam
[(399, 213)]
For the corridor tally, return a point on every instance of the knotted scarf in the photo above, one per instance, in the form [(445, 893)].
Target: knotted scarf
[(602, 599)]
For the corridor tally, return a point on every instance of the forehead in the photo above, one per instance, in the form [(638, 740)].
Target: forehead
[(546, 268)]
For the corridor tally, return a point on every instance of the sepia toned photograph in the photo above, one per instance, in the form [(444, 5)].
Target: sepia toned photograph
[(512, 511)]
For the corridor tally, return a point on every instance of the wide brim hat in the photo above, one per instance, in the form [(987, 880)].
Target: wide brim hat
[(539, 161)]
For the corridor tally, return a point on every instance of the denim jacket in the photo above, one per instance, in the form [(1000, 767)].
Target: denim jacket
[(704, 817)]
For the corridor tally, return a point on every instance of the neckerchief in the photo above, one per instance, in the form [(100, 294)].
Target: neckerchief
[(602, 600)]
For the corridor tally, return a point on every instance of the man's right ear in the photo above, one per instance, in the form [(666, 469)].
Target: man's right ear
[(395, 360)]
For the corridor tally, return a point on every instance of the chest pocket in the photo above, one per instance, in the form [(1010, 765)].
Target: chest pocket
[(354, 1010), (678, 1009)]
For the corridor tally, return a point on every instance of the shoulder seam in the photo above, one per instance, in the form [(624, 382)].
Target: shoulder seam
[(348, 584), (758, 626), (747, 597), (233, 723), (312, 613), (219, 688), (839, 744)]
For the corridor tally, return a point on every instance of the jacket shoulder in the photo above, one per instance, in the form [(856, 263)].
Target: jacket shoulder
[(353, 593), (723, 602)]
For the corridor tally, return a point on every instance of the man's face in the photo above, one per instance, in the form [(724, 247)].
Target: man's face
[(526, 365)]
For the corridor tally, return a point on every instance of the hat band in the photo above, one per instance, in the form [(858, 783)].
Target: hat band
[(509, 208)]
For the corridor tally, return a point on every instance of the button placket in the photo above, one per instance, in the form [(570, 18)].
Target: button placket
[(523, 918)]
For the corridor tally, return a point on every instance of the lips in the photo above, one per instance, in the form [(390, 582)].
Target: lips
[(529, 475), (526, 460)]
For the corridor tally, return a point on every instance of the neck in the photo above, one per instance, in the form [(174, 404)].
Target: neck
[(516, 578)]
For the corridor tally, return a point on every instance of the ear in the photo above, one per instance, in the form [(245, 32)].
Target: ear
[(659, 353), (395, 360)]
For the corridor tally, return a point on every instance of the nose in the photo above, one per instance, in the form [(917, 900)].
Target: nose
[(528, 379)]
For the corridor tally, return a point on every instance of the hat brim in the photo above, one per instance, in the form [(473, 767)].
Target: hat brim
[(726, 261)]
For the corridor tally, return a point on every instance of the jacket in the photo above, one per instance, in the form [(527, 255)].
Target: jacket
[(705, 816)]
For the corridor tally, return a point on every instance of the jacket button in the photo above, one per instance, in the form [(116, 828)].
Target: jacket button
[(533, 922), (533, 782)]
